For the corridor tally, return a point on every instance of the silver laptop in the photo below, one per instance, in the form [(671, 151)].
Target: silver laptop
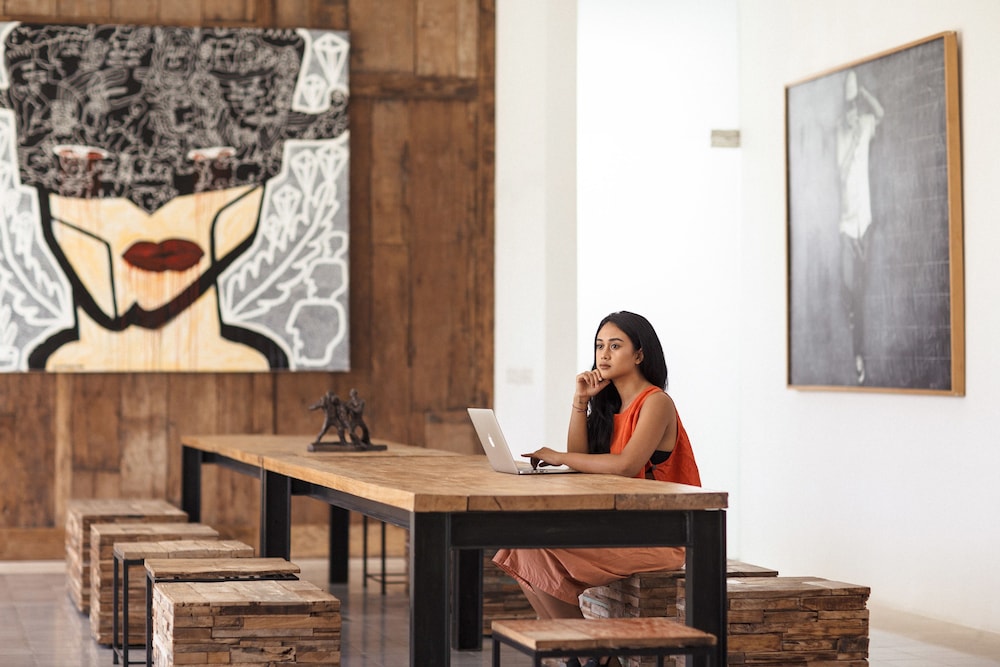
[(497, 450)]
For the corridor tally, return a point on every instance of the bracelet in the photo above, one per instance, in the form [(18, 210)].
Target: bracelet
[(576, 409)]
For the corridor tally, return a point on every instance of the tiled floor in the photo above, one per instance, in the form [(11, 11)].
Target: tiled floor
[(40, 627)]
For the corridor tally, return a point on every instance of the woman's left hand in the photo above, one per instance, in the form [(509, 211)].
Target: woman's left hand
[(546, 457)]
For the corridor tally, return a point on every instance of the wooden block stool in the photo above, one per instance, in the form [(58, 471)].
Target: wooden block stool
[(598, 638), (129, 581), (189, 570), (651, 594), (81, 513), (797, 621), (502, 596), (103, 537), (243, 622)]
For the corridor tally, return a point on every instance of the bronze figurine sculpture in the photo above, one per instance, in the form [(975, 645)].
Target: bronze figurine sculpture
[(348, 419)]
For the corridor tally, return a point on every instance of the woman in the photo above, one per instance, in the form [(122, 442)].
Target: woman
[(622, 423)]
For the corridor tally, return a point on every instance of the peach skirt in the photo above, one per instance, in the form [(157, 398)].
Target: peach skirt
[(566, 573)]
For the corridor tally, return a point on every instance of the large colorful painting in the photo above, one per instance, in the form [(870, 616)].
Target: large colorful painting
[(173, 199)]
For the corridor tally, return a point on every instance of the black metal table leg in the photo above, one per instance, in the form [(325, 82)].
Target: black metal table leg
[(469, 600), (114, 611), (149, 619), (124, 605), (275, 515), (191, 483), (429, 590), (705, 581), (340, 538)]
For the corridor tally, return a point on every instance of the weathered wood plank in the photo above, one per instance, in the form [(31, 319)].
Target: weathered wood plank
[(30, 9), (229, 12), (362, 261), (481, 238), (31, 543), (441, 293), (26, 440), (77, 11), (180, 12), (382, 36), (448, 37), (94, 425), (451, 431), (143, 435), (328, 14), (129, 11), (397, 86)]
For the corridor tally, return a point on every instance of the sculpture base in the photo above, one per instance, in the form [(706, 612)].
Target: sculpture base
[(345, 447)]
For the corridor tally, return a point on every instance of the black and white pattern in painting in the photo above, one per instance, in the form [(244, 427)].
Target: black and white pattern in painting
[(180, 194)]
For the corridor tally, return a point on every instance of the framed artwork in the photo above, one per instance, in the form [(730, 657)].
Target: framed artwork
[(173, 199), (875, 266)]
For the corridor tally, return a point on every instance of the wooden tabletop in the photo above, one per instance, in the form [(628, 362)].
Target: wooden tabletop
[(461, 483), (418, 479), (250, 448)]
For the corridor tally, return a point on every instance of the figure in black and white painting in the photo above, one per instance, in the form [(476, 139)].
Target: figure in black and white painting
[(870, 225), (173, 199), (855, 132)]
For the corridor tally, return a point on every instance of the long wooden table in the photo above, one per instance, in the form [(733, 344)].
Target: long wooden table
[(455, 506)]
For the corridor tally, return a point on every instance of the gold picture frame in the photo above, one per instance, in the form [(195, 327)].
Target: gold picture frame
[(874, 224)]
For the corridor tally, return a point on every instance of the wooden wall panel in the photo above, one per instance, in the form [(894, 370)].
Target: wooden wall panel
[(228, 12), (129, 11), (382, 35), (180, 12), (73, 10), (447, 37), (31, 9), (421, 210), (143, 435)]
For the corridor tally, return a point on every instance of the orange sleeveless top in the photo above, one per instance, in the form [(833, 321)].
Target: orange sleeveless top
[(680, 467)]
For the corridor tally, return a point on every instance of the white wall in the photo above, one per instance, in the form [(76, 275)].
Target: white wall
[(658, 207), (893, 491), (655, 224), (535, 218)]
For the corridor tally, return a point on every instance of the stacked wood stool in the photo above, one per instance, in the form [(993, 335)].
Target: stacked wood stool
[(103, 538), (141, 571), (772, 620), (128, 617), (796, 621), (81, 513), (242, 622), (598, 638), (199, 571), (652, 595)]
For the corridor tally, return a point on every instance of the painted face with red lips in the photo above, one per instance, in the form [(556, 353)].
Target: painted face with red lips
[(124, 256)]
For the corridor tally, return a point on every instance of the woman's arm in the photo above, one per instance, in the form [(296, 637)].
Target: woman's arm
[(588, 383), (657, 424)]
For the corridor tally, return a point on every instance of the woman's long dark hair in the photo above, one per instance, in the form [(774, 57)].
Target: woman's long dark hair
[(604, 405)]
